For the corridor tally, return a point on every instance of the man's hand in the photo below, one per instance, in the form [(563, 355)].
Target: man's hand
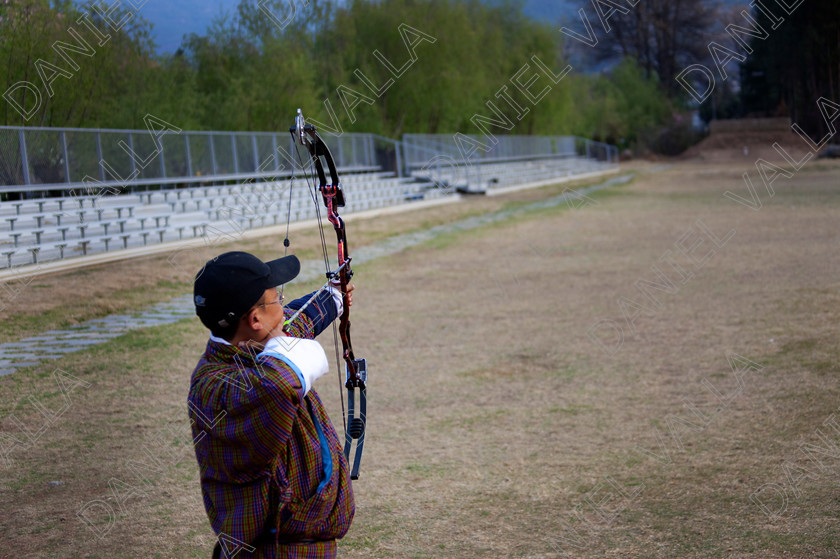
[(350, 288)]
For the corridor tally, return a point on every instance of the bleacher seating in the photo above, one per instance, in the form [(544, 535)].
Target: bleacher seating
[(44, 229), (495, 176)]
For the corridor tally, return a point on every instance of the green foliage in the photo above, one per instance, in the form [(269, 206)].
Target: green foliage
[(383, 66), (101, 88), (624, 108)]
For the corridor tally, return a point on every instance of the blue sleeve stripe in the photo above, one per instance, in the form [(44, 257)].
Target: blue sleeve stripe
[(326, 455), (321, 311), (291, 365)]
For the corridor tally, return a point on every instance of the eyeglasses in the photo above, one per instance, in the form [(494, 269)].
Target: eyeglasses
[(277, 302)]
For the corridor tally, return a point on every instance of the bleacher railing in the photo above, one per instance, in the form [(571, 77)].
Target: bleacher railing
[(481, 149), (39, 162), (55, 160), (460, 160)]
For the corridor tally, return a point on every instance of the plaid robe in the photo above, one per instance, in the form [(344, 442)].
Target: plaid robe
[(269, 457)]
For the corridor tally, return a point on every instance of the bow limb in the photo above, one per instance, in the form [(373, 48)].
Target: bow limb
[(355, 369)]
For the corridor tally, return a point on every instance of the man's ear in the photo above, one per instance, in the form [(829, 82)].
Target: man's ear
[(252, 321)]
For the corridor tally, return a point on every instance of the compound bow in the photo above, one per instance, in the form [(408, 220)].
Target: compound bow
[(355, 369)]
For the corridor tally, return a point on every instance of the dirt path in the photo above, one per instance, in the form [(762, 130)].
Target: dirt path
[(527, 399)]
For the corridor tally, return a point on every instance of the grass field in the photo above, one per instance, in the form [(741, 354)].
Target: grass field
[(647, 372)]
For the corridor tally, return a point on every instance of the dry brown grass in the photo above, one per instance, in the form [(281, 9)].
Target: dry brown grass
[(494, 417)]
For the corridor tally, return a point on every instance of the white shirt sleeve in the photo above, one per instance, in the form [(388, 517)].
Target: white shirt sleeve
[(306, 357), (338, 298)]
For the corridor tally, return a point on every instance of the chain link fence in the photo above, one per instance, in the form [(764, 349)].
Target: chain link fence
[(461, 160), (43, 162), (474, 149)]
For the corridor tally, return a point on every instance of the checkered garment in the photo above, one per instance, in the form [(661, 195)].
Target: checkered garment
[(269, 457)]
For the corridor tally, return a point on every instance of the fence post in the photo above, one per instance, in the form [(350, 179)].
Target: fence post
[(63, 136), (235, 155), (133, 162), (162, 160), (99, 156), (24, 157), (189, 154), (292, 152), (365, 150), (256, 152), (213, 154), (397, 148)]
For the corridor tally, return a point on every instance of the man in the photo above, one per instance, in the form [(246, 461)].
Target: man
[(274, 477)]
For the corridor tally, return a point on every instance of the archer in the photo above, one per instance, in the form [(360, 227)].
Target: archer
[(274, 477)]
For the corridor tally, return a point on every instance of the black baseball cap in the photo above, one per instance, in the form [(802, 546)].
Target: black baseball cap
[(230, 284)]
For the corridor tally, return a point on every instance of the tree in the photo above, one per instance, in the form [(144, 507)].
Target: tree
[(80, 82), (799, 63), (663, 36)]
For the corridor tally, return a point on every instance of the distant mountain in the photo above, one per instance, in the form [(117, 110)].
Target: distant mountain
[(173, 20), (553, 11)]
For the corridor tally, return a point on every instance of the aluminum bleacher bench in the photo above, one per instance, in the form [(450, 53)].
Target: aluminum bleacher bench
[(34, 251), (8, 254), (121, 208), (39, 218), (81, 200), (83, 243)]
